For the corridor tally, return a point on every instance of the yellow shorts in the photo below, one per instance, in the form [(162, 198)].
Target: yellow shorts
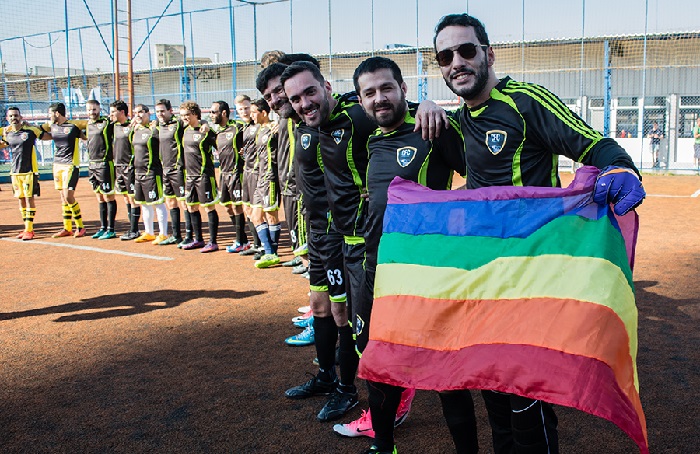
[(65, 176), (25, 185)]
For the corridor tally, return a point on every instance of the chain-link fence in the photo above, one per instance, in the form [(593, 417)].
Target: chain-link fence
[(620, 70)]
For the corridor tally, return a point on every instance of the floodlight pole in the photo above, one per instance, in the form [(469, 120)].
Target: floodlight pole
[(130, 63), (115, 45)]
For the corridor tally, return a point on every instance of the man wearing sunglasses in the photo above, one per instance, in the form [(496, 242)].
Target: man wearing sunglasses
[(513, 134)]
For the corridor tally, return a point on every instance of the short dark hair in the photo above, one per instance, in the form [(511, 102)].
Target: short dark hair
[(165, 102), (223, 107), (92, 101), (298, 68), (288, 59), (58, 107), (13, 108), (262, 105), (143, 107), (374, 64), (462, 20), (267, 74), (120, 105)]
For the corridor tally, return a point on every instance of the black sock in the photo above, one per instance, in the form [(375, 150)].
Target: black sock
[(256, 238), (175, 221), (383, 402), (348, 358), (135, 216), (326, 336), (241, 237), (196, 219), (188, 225), (458, 409), (128, 212), (103, 215), (213, 218), (111, 215)]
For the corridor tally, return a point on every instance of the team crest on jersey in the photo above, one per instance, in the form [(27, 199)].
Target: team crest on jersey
[(67, 130), (145, 135), (125, 129), (196, 136), (338, 135), (24, 136), (496, 140), (359, 325), (405, 155), (172, 127), (229, 135), (305, 141)]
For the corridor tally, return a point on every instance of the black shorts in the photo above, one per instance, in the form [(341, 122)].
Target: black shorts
[(290, 203), (124, 183), (174, 183), (201, 189), (101, 176), (358, 306), (148, 188), (231, 188), (249, 183), (267, 195), (326, 269)]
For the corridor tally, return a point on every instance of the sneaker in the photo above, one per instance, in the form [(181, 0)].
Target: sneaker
[(306, 275), (210, 247), (315, 362), (303, 309), (296, 261), (145, 238), (185, 242), (98, 234), (159, 239), (300, 269), (80, 233), (258, 254), (237, 248), (404, 406), (267, 261), (20, 235), (252, 250), (374, 450), (305, 337), (108, 235), (62, 233), (128, 236), (361, 427), (168, 241), (303, 323), (337, 405), (301, 250), (193, 245), (28, 236), (313, 387), (307, 315)]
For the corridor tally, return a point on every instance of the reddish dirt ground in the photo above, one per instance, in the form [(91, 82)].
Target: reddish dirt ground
[(114, 353)]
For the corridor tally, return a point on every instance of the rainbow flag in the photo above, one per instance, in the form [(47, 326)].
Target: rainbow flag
[(525, 290)]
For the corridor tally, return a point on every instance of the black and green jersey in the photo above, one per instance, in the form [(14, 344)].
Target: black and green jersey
[(22, 147), (123, 154), (170, 143), (248, 151), (343, 141), (516, 136), (311, 181), (403, 153), (229, 141), (266, 149), (146, 150), (100, 138), (285, 157), (197, 151), (65, 137)]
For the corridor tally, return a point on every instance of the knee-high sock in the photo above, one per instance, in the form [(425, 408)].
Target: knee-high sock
[(162, 214), (241, 237), (128, 212), (213, 218), (134, 219), (148, 219), (111, 214), (383, 402), (254, 232), (264, 235), (67, 217), (325, 337), (77, 217), (458, 409), (348, 356), (188, 225), (175, 221), (275, 230), (103, 215), (196, 219), (29, 222)]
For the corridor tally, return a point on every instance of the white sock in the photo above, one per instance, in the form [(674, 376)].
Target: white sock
[(162, 214), (147, 213)]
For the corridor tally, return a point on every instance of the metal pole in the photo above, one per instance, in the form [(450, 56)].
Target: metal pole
[(150, 64), (373, 28), (291, 23), (194, 69), (330, 43), (583, 34), (130, 61), (608, 89), (232, 22), (115, 46), (644, 84), (522, 46), (255, 32), (70, 95), (26, 70), (53, 68), (185, 77), (82, 58)]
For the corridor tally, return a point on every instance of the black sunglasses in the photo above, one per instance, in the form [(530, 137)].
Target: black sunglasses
[(466, 51)]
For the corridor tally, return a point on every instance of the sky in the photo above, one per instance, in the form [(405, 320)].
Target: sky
[(304, 26)]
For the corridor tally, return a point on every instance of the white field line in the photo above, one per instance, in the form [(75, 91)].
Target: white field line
[(90, 248)]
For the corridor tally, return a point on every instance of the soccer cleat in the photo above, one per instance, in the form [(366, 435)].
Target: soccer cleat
[(404, 406), (252, 250), (108, 235), (128, 236), (307, 315), (301, 250), (299, 269), (303, 323), (183, 243), (193, 245), (314, 387), (361, 427), (62, 233), (305, 337), (258, 254), (98, 234), (80, 233), (145, 238), (374, 450), (168, 241), (306, 275), (315, 362), (296, 261), (20, 235), (237, 248), (267, 261), (337, 405), (28, 236), (159, 239), (210, 247)]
